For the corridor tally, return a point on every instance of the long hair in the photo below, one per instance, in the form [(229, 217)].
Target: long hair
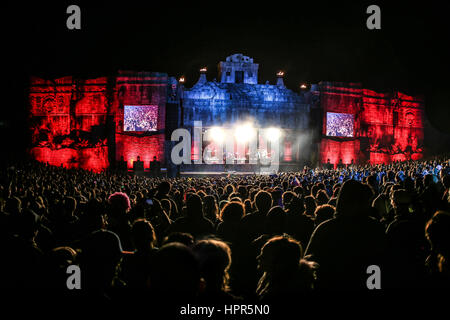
[(215, 260), (284, 268)]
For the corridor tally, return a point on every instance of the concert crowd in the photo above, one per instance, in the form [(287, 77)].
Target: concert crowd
[(340, 124), (227, 238), (140, 118)]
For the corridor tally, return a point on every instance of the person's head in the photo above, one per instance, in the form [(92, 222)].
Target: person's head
[(354, 199), (210, 206), (232, 212), (194, 206), (100, 253), (57, 262), (143, 235), (372, 180), (242, 190), (119, 202), (69, 205), (438, 235), (287, 197), (263, 201), (248, 206), (401, 200), (185, 238), (214, 258), (280, 254), (229, 189), (175, 272), (276, 221), (310, 205), (323, 213), (164, 188), (321, 197), (299, 191)]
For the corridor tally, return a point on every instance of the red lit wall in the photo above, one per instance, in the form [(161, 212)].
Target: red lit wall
[(63, 113), (388, 126), (337, 150), (69, 117), (140, 88)]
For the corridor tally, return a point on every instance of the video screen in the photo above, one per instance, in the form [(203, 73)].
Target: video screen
[(340, 124), (140, 118)]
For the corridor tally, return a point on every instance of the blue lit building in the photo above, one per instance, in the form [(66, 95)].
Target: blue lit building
[(238, 96)]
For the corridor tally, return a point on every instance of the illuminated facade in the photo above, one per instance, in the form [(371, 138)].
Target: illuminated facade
[(387, 126), (80, 122), (239, 98)]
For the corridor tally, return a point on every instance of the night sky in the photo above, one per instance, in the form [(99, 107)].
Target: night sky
[(312, 41)]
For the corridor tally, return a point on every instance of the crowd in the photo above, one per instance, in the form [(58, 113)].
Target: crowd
[(340, 124), (226, 238), (140, 118)]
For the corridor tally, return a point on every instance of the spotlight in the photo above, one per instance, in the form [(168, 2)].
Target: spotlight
[(181, 80), (280, 73), (273, 134), (216, 134), (303, 86), (203, 70), (244, 133)]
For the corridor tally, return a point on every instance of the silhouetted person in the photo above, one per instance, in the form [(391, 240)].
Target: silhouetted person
[(285, 272), (138, 166), (346, 245), (437, 233), (135, 266), (231, 215), (405, 244), (253, 224), (155, 167), (298, 224), (323, 213), (214, 258), (194, 221), (175, 274), (118, 218), (100, 253)]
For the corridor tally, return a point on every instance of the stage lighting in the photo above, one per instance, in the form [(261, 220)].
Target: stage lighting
[(216, 134), (181, 80), (244, 133), (303, 86), (273, 134)]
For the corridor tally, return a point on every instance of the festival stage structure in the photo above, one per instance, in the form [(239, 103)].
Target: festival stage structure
[(97, 123)]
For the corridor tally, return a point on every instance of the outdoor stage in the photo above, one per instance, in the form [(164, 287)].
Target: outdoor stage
[(202, 170)]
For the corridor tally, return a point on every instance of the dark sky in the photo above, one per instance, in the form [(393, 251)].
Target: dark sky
[(311, 41)]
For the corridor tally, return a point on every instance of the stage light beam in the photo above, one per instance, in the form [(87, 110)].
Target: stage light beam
[(244, 133), (216, 134), (273, 134)]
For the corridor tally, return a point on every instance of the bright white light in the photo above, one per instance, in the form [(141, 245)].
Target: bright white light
[(216, 134), (244, 133), (273, 134)]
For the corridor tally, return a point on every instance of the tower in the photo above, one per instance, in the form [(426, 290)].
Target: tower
[(238, 69)]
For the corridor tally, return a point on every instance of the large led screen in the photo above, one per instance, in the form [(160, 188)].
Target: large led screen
[(340, 124), (140, 118)]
